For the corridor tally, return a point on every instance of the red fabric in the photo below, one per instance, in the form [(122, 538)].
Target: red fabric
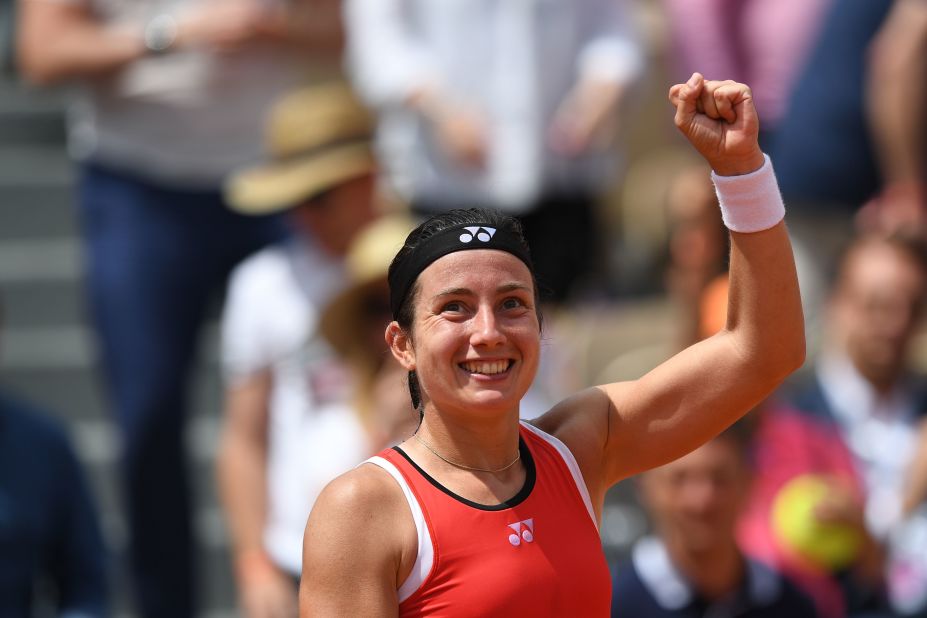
[(557, 569)]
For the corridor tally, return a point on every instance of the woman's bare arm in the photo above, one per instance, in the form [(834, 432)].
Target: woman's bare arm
[(620, 429), (359, 546)]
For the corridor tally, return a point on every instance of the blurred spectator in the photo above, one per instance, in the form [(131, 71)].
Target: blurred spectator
[(852, 141), (290, 423), (915, 493), (853, 426), (354, 323), (823, 151), (763, 43), (51, 550), (693, 566), (509, 105), (172, 94), (698, 245), (907, 571), (896, 95)]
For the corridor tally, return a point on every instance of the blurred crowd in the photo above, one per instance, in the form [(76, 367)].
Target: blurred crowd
[(274, 154)]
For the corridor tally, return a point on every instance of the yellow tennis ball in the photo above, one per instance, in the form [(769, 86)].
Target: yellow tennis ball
[(828, 546)]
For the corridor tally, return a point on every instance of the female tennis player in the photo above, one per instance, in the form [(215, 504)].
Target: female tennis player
[(479, 514)]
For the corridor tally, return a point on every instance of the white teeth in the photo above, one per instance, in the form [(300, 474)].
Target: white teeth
[(488, 368)]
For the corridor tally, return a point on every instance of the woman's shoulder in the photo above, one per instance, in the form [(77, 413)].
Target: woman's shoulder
[(363, 510), (360, 543), (366, 487), (582, 423), (579, 416)]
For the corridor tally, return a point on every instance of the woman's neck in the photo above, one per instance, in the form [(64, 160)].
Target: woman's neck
[(488, 444), (480, 462)]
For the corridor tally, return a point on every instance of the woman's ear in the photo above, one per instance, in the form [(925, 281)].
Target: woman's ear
[(400, 344)]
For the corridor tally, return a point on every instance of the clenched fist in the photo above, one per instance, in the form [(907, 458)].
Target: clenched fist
[(720, 120)]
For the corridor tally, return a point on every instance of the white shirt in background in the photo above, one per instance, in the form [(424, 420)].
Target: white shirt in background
[(879, 430), (513, 61), (271, 322)]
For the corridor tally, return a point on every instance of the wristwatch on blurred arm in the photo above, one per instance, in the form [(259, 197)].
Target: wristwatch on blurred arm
[(160, 34)]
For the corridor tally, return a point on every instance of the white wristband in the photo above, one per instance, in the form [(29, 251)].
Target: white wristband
[(750, 203)]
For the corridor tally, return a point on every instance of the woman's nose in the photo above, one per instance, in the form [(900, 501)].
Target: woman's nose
[(486, 328)]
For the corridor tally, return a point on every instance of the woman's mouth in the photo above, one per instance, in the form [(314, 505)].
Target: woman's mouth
[(487, 368)]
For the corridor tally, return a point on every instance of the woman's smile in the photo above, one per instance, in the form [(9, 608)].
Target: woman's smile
[(483, 368)]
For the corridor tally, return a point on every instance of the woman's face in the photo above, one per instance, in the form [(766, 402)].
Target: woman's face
[(475, 337)]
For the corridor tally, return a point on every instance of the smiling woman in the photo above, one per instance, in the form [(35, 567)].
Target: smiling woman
[(452, 291), (480, 514)]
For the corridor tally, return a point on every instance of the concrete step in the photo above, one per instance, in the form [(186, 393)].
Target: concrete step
[(32, 127), (55, 368), (35, 164), (35, 304), (31, 115), (70, 394), (56, 260), (37, 210)]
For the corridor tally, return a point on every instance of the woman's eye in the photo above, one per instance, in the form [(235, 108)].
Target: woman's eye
[(512, 303), (453, 307)]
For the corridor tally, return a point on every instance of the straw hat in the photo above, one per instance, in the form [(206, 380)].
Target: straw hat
[(366, 266), (316, 138)]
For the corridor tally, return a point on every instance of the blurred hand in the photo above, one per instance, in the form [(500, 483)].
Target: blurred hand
[(265, 591), (462, 135), (898, 209), (586, 118), (270, 599), (459, 131), (719, 120), (841, 506)]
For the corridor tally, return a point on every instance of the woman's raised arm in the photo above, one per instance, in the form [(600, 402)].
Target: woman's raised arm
[(617, 430)]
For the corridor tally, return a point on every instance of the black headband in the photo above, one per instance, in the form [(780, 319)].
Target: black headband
[(451, 240)]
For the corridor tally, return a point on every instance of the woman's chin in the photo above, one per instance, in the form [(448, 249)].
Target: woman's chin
[(493, 401)]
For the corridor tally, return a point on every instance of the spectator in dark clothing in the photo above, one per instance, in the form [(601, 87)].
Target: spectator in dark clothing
[(853, 423), (862, 161), (693, 567), (50, 542), (825, 154)]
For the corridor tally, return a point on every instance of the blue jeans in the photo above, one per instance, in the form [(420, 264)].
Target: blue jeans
[(156, 259)]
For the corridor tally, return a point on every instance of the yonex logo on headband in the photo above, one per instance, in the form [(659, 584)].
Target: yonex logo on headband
[(483, 234), (461, 237)]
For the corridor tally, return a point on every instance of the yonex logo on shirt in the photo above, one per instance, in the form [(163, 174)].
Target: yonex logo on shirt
[(524, 530), (483, 234)]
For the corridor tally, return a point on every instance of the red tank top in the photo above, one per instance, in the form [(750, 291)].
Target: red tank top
[(537, 554)]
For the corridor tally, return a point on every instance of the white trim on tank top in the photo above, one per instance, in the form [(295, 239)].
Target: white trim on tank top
[(424, 557), (571, 465)]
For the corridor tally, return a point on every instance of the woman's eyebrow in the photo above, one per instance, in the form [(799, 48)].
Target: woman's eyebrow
[(512, 287), (454, 292), (502, 289)]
